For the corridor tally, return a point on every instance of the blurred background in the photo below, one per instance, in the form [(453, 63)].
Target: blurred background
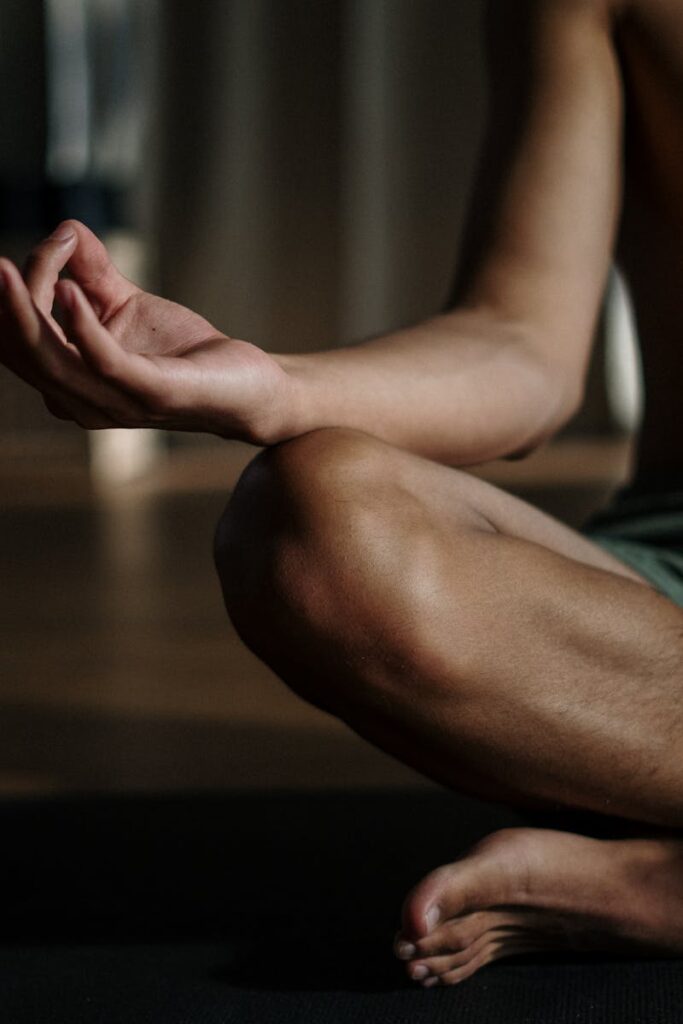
[(297, 171)]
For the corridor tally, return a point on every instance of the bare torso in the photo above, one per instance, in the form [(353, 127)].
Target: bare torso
[(650, 246)]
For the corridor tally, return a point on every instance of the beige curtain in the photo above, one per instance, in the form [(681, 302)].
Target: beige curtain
[(315, 157)]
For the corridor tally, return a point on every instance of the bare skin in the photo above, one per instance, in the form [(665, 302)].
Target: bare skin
[(454, 626), (540, 890), (520, 890), (532, 890)]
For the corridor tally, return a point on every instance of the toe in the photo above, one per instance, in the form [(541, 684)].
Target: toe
[(437, 897), (437, 966), (476, 880), (459, 934), (466, 970), (404, 948), (493, 947), (447, 952)]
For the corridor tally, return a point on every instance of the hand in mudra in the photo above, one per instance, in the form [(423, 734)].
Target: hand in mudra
[(126, 358)]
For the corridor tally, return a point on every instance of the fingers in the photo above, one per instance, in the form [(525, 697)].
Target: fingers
[(20, 338), (133, 374), (82, 327), (91, 266), (74, 244), (45, 263), (30, 347), (84, 375), (9, 356)]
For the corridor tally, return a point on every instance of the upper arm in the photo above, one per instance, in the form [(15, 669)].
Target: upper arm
[(538, 243)]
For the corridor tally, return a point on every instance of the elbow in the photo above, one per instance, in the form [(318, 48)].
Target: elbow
[(559, 398)]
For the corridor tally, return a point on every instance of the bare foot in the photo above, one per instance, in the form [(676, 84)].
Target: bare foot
[(524, 890)]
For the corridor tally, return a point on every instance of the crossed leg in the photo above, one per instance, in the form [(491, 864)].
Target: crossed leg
[(493, 649)]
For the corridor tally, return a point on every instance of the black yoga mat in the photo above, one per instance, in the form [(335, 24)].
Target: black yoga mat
[(267, 907)]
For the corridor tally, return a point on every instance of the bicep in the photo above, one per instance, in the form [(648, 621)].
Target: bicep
[(539, 238)]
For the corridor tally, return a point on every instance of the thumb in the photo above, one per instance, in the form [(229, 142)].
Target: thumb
[(91, 266)]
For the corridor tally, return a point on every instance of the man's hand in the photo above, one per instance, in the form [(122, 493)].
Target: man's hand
[(125, 358)]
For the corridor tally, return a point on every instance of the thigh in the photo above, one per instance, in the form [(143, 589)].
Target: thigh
[(531, 663), (457, 627), (445, 490)]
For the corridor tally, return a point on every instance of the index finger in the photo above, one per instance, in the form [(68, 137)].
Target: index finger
[(45, 263), (129, 372)]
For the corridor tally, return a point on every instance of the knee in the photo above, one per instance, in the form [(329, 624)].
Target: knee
[(333, 570), (294, 516)]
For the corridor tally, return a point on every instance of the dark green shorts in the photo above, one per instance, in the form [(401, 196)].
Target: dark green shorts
[(643, 527)]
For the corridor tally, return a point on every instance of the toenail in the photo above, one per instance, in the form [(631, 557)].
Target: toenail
[(405, 950), (432, 918), (419, 972)]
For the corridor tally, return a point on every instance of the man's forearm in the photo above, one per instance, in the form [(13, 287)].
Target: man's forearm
[(461, 388)]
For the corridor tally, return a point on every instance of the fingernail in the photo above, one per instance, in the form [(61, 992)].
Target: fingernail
[(405, 950), (418, 973), (430, 982), (432, 918), (62, 233)]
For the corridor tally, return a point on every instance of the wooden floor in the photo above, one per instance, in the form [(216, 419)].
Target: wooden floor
[(119, 670)]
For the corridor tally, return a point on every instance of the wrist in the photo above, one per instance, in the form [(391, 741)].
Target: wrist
[(299, 405)]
